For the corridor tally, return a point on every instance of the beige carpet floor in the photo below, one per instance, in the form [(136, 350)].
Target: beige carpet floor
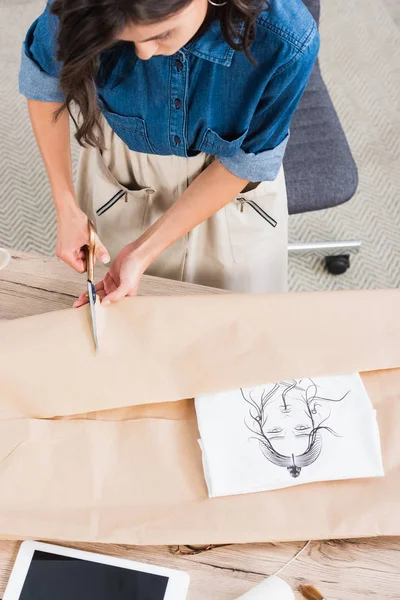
[(360, 58)]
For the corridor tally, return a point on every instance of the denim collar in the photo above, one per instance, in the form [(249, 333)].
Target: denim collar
[(212, 46), (118, 61)]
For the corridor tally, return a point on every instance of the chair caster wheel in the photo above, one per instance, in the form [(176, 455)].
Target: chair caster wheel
[(337, 265)]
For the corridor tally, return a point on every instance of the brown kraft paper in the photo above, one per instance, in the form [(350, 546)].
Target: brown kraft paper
[(100, 448)]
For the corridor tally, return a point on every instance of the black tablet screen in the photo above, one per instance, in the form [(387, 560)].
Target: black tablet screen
[(54, 577)]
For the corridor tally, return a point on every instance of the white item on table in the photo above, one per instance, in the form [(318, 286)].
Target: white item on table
[(273, 588), (4, 258), (288, 433), (47, 571)]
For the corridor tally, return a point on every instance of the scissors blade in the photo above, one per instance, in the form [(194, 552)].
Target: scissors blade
[(92, 302)]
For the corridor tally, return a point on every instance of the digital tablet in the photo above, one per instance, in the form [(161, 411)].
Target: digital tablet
[(47, 572)]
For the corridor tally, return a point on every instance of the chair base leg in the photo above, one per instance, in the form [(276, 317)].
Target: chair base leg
[(337, 264), (325, 247), (336, 254)]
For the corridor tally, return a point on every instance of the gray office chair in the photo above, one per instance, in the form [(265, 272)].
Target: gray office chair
[(319, 168)]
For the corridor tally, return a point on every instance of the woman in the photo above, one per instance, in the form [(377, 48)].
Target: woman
[(184, 109)]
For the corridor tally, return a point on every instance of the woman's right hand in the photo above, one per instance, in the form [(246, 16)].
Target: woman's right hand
[(73, 235)]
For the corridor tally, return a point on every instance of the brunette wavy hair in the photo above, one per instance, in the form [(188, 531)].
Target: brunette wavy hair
[(89, 27)]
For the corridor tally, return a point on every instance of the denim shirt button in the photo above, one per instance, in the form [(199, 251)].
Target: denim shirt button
[(204, 88)]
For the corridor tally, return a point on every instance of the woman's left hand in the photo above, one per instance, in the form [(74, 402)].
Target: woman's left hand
[(122, 279)]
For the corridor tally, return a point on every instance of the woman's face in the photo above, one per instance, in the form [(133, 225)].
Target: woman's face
[(288, 425), (168, 36)]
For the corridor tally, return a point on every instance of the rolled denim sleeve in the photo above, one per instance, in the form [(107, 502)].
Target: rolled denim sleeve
[(39, 70), (260, 157)]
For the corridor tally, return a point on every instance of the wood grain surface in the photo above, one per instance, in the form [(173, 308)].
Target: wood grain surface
[(342, 570), (33, 284)]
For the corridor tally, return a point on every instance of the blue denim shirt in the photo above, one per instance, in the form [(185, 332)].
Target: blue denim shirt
[(205, 98)]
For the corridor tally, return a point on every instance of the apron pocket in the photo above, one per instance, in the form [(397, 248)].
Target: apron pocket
[(252, 219), (110, 203), (119, 211)]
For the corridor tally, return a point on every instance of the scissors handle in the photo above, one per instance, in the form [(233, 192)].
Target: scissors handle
[(91, 251)]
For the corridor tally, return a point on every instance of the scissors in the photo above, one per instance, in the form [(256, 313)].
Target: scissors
[(90, 280)]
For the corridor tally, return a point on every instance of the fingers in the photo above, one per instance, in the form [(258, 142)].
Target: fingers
[(114, 287), (80, 261), (84, 299), (109, 292), (110, 284), (125, 288), (101, 251), (77, 259), (99, 286), (79, 265), (74, 260)]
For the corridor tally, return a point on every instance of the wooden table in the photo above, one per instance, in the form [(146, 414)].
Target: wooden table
[(342, 570)]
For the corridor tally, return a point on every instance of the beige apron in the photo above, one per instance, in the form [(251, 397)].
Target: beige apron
[(242, 247)]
